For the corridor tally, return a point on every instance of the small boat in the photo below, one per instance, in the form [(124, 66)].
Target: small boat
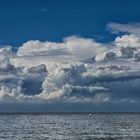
[(90, 115)]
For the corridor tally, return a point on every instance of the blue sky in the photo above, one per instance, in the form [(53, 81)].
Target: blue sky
[(71, 55), (54, 19)]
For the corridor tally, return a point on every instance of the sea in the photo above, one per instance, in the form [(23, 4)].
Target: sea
[(70, 126)]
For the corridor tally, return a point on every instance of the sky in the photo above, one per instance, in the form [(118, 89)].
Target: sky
[(55, 19), (69, 56)]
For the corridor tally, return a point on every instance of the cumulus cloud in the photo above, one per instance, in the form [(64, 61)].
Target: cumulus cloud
[(68, 82), (124, 47), (76, 71), (128, 41), (73, 47)]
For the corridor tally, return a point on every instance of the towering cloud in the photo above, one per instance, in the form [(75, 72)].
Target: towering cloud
[(75, 71)]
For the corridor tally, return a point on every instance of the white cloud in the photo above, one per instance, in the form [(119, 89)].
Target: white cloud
[(72, 48), (128, 41), (124, 47), (133, 28), (77, 70)]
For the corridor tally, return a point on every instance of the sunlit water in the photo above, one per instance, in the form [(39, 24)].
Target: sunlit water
[(70, 127)]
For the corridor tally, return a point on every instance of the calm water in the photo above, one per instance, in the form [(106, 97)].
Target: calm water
[(70, 127)]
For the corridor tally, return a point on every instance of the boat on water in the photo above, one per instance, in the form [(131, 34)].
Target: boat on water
[(90, 115)]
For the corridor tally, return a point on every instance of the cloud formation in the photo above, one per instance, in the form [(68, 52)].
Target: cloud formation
[(77, 71), (132, 28), (73, 47)]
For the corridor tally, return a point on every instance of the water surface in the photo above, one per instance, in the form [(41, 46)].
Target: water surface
[(69, 127)]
